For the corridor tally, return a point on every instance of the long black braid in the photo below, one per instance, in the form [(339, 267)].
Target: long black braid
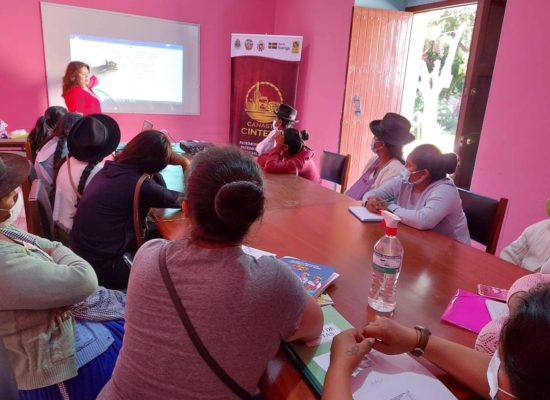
[(84, 177)]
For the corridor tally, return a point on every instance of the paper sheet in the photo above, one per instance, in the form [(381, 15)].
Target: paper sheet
[(496, 308), (364, 215), (399, 377), (256, 253)]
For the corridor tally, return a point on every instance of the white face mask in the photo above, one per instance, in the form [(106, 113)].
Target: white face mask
[(274, 124), (492, 377), (14, 211), (404, 175)]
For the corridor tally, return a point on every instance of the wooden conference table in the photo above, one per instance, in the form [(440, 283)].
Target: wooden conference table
[(311, 222)]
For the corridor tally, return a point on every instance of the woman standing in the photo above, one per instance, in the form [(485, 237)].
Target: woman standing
[(425, 198), (291, 156), (391, 133), (77, 89)]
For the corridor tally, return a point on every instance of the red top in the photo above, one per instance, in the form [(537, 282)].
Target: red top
[(301, 163), (82, 101)]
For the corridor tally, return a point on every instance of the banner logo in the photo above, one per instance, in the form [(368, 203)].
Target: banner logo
[(248, 44), (237, 43), (261, 46), (262, 100), (295, 46)]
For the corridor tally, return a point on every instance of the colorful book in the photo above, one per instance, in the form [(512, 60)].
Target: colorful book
[(379, 376), (314, 277)]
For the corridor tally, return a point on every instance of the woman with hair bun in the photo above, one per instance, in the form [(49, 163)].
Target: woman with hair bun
[(291, 156), (425, 198), (233, 300)]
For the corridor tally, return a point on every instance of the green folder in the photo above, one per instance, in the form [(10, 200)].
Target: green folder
[(302, 355)]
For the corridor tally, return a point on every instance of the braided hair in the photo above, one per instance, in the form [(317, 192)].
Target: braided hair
[(84, 177), (61, 132)]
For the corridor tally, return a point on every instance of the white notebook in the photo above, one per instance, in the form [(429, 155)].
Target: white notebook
[(364, 215)]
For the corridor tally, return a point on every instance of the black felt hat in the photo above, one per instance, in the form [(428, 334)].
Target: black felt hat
[(392, 129), (14, 169), (93, 138), (287, 113)]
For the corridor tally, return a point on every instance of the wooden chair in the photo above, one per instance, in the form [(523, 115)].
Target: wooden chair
[(28, 152), (335, 168), (39, 219), (484, 216)]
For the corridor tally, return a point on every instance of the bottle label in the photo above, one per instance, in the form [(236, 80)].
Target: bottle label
[(386, 264)]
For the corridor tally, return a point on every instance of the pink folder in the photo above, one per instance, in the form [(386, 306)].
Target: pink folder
[(467, 310)]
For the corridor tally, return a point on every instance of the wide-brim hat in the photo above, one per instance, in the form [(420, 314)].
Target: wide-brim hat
[(286, 112), (14, 169), (93, 138), (392, 129)]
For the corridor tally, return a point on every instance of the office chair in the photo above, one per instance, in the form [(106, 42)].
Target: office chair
[(485, 216), (335, 168)]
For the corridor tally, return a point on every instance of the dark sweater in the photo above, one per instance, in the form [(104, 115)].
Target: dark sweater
[(103, 225)]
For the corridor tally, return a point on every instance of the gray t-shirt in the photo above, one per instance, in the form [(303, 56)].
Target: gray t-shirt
[(240, 307)]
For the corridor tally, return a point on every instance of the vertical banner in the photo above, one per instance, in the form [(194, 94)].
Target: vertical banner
[(264, 74)]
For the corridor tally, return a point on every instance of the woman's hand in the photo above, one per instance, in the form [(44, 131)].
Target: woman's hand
[(348, 349), (178, 159), (375, 204), (391, 337)]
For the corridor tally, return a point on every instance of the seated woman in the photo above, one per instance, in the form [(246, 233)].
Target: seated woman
[(425, 198), (290, 156), (489, 336), (518, 370), (52, 154), (103, 229), (43, 128), (391, 133), (233, 300), (285, 117), (91, 140), (532, 248), (44, 286)]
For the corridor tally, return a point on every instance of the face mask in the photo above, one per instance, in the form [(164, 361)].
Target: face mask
[(274, 124), (492, 377), (404, 175), (14, 211)]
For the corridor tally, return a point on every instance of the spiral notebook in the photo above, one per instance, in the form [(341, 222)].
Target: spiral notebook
[(364, 215)]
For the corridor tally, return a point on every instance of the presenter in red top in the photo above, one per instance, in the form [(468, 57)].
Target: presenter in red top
[(78, 84)]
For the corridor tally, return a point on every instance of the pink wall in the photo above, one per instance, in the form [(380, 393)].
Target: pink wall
[(22, 71), (325, 26), (514, 151)]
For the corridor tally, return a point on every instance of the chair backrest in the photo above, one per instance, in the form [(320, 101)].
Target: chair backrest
[(40, 220), (28, 152), (484, 216), (335, 168)]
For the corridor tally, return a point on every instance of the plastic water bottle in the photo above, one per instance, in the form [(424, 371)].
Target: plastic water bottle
[(386, 265)]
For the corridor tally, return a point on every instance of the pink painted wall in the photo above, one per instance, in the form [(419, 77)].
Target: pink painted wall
[(325, 26), (514, 152), (22, 70)]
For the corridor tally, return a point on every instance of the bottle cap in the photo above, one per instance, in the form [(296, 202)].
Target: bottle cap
[(390, 220)]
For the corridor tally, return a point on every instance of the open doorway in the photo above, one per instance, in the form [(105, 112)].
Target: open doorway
[(380, 44), (437, 64)]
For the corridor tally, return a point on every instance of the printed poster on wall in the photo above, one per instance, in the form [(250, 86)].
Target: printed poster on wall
[(264, 74)]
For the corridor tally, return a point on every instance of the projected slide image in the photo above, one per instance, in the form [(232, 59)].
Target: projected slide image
[(130, 71)]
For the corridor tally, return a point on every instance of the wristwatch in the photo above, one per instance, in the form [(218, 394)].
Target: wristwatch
[(423, 336)]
